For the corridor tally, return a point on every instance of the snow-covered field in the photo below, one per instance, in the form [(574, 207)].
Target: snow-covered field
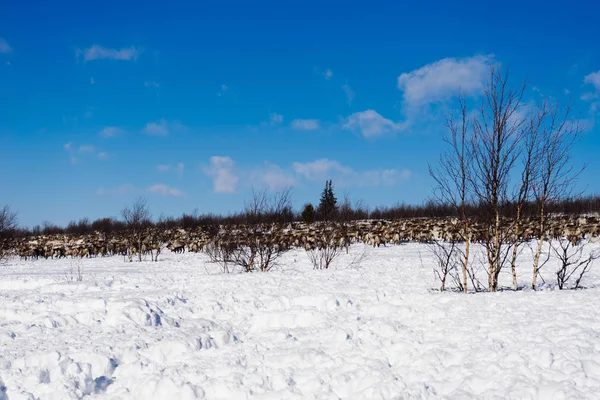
[(178, 329)]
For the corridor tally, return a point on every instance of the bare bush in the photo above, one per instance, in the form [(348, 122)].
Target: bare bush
[(8, 226), (261, 243), (325, 250), (573, 262), (357, 260), (220, 253), (75, 271), (449, 263)]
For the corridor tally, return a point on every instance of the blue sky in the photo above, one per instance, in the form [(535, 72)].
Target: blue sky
[(192, 105)]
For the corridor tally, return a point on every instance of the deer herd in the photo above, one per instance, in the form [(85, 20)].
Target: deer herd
[(286, 236)]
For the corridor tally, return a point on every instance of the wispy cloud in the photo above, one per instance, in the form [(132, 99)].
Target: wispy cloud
[(86, 148), (275, 119), (165, 190), (111, 131), (350, 95), (371, 124), (162, 128), (221, 92), (179, 168), (97, 52), (272, 177), (323, 169), (221, 170), (83, 151), (4, 47), (305, 124), (594, 80), (324, 73), (92, 81), (441, 80), (151, 84)]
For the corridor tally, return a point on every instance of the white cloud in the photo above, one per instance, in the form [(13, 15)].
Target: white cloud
[(119, 190), (67, 146), (441, 80), (370, 124), (163, 168), (102, 155), (111, 131), (328, 74), (162, 128), (593, 79), (165, 190), (221, 169), (180, 168), (275, 119), (350, 95), (305, 124), (4, 47), (97, 52), (323, 169), (151, 84), (272, 177), (92, 80), (320, 169)]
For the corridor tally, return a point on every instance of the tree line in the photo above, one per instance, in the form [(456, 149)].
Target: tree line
[(344, 211)]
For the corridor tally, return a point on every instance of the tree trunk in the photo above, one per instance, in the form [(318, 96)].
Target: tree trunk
[(466, 259), (513, 261), (536, 261)]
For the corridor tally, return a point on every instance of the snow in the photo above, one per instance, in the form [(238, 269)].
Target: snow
[(179, 329)]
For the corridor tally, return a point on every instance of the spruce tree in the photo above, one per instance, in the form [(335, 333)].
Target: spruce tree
[(328, 203), (308, 214)]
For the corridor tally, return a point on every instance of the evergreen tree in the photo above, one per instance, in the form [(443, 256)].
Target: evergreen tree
[(308, 213), (328, 203)]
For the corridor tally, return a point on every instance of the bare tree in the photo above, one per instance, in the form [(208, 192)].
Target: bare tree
[(557, 134), (137, 221), (452, 182), (495, 148), (530, 154), (8, 226)]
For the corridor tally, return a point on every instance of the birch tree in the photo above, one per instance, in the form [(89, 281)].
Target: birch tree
[(495, 149), (557, 134), (451, 177)]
